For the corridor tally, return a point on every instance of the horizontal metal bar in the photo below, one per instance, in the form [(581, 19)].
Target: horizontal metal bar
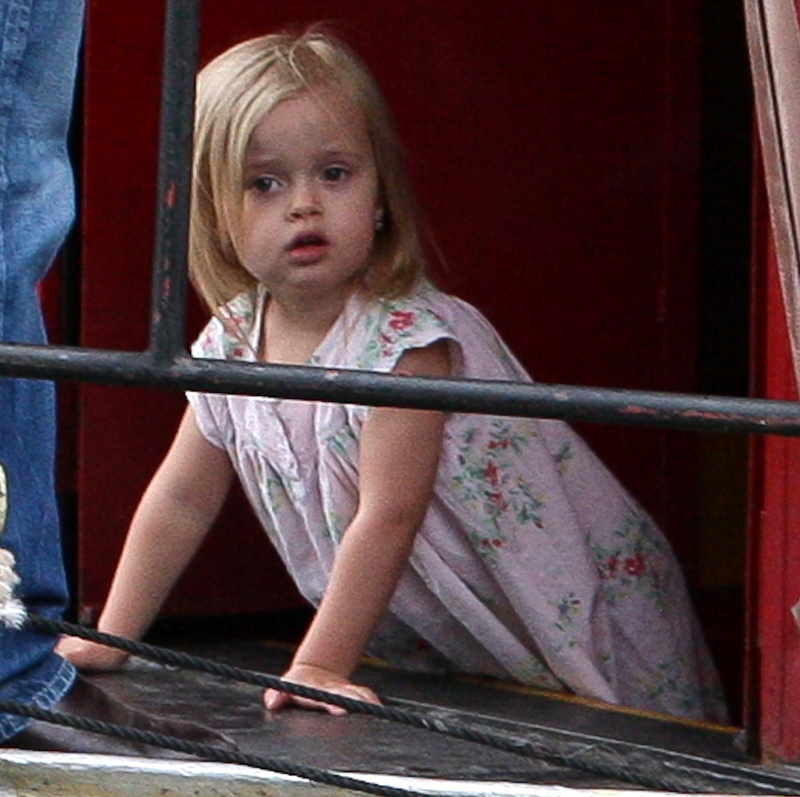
[(597, 405)]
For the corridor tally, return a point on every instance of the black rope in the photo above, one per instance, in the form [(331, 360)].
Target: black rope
[(189, 662), (621, 761), (199, 750)]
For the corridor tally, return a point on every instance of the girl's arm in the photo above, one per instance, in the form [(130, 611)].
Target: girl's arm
[(398, 460), (172, 518)]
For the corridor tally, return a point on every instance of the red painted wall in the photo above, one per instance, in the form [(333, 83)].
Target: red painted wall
[(555, 146), (774, 573)]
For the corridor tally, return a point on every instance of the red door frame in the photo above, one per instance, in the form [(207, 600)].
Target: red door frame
[(774, 527), (774, 578)]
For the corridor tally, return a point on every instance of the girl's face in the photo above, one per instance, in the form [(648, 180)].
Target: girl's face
[(310, 197)]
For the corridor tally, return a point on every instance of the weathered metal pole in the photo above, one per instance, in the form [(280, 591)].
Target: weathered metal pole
[(168, 309)]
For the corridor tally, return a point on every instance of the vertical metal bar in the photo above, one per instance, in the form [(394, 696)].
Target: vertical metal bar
[(182, 26)]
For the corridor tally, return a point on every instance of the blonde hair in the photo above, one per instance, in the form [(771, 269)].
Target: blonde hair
[(234, 93)]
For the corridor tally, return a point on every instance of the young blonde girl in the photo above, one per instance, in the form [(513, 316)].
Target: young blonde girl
[(477, 544)]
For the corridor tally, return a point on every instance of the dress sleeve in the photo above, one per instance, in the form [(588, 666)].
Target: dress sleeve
[(409, 324), (228, 339), (476, 349), (210, 408)]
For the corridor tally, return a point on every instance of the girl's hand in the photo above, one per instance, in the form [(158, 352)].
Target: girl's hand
[(317, 678), (89, 655)]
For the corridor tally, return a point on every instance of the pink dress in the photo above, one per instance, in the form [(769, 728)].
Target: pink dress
[(532, 563)]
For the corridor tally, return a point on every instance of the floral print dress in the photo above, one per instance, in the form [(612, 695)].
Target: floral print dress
[(532, 564)]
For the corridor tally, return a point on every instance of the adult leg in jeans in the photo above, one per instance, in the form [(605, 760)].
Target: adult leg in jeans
[(39, 41)]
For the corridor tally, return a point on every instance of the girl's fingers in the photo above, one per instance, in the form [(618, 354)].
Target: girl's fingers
[(275, 700), (89, 656), (363, 693), (334, 711)]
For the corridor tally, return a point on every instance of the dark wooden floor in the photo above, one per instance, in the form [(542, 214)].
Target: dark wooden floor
[(638, 742)]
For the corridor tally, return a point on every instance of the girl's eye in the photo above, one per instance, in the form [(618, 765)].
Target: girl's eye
[(334, 174), (265, 184)]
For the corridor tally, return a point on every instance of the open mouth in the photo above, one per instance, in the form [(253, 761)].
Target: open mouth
[(306, 241), (307, 248)]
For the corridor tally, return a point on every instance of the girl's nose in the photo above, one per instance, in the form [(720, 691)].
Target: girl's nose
[(304, 202)]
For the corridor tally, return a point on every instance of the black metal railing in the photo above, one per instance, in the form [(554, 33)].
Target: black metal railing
[(166, 363)]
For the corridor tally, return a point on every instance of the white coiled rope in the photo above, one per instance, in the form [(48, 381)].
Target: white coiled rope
[(12, 610)]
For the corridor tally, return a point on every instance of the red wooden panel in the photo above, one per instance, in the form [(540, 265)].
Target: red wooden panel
[(774, 571), (775, 532), (555, 145)]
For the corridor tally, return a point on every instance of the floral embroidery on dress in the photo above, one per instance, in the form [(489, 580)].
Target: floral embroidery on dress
[(393, 326), (226, 336), (674, 683), (534, 673), (400, 320), (276, 493), (563, 457), (500, 497), (335, 525), (631, 564), (343, 441), (570, 607)]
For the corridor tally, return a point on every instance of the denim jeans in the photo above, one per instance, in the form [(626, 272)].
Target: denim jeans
[(39, 42)]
